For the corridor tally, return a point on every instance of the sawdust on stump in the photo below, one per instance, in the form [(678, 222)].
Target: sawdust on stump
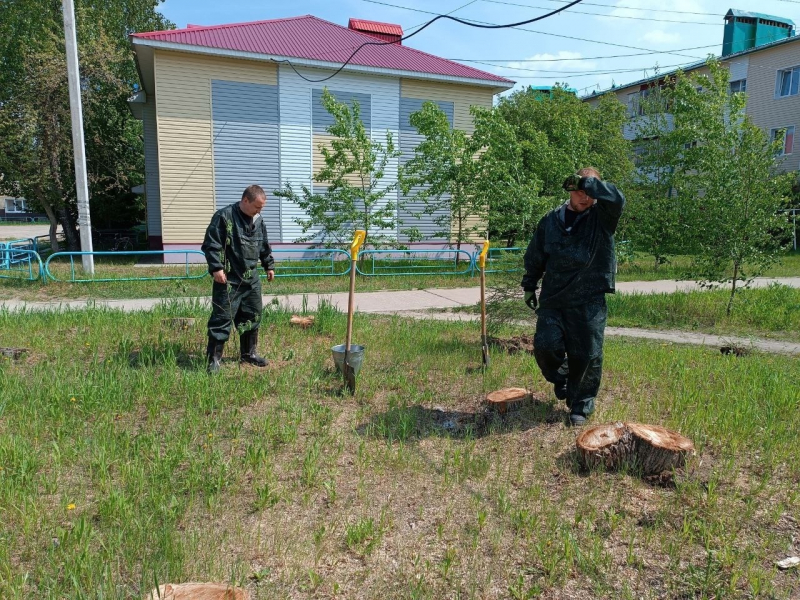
[(651, 449), (507, 399), (514, 345), (197, 591)]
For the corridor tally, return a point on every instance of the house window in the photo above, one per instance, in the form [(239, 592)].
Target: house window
[(15, 205), (787, 135), (738, 86), (787, 82)]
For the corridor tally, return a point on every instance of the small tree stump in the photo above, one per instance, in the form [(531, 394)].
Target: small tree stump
[(198, 591), (649, 448), (13, 353), (508, 398), (180, 323), (304, 322)]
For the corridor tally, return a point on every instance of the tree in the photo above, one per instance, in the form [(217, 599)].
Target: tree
[(655, 220), (560, 134), (501, 180), (357, 193), (441, 175), (35, 132), (727, 178)]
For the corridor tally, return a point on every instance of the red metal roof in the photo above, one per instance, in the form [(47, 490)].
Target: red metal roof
[(312, 38), (375, 27)]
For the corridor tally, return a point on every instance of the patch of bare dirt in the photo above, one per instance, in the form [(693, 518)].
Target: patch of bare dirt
[(514, 345)]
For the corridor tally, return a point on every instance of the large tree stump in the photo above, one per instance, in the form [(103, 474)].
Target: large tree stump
[(650, 449), (198, 591)]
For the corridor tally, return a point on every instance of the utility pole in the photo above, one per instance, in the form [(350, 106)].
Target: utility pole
[(76, 111)]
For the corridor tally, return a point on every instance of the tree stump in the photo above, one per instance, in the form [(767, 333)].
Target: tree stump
[(13, 353), (304, 322), (650, 449), (180, 323), (506, 399), (198, 591)]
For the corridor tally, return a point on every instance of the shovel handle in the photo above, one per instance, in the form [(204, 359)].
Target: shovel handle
[(482, 255), (358, 240)]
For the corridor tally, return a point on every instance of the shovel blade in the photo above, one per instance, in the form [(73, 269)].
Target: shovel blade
[(485, 353), (349, 378)]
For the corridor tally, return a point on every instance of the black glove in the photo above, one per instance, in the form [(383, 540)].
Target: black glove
[(530, 300), (574, 182)]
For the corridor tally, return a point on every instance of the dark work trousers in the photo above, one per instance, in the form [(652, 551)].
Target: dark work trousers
[(568, 346), (239, 306)]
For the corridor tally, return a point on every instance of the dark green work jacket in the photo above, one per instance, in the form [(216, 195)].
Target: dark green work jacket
[(579, 264), (235, 244)]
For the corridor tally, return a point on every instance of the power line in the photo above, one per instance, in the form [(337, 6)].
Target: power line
[(594, 14), (455, 10), (626, 70), (425, 26), (523, 60), (558, 35), (647, 10)]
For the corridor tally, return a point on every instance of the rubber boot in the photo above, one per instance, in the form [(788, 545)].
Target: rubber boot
[(214, 355), (248, 349)]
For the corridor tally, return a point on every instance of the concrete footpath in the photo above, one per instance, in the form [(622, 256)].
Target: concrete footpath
[(430, 304), (371, 302)]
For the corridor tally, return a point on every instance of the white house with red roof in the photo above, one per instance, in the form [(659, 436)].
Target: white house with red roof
[(231, 105)]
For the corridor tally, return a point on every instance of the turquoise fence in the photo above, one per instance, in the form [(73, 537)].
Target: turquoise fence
[(48, 273), (374, 263), (329, 262), (20, 259), (19, 263)]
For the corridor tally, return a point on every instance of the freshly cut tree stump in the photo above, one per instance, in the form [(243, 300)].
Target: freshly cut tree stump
[(304, 322), (650, 449), (506, 399), (198, 591)]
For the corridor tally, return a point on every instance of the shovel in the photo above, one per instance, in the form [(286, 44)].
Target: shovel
[(484, 341), (347, 369)]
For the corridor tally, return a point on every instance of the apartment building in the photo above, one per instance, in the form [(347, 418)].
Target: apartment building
[(762, 53)]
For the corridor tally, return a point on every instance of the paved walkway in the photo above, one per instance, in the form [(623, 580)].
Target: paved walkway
[(19, 232), (373, 302), (419, 304)]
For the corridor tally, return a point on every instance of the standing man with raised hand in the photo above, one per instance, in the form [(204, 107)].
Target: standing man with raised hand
[(573, 248), (236, 241)]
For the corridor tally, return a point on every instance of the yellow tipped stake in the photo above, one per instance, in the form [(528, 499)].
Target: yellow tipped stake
[(348, 371), (484, 340)]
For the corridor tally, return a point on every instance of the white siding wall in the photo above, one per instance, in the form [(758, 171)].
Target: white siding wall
[(152, 187), (295, 127)]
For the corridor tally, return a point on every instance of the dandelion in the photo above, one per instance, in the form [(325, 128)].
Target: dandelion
[(87, 344), (70, 507), (73, 399)]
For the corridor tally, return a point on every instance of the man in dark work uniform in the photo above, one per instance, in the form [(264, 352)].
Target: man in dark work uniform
[(573, 248), (235, 242)]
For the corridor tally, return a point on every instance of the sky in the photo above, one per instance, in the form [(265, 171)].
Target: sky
[(590, 46)]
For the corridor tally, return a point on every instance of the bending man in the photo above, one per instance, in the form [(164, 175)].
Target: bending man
[(573, 248), (235, 242)]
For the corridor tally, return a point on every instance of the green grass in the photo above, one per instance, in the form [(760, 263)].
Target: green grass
[(122, 464), (772, 312), (641, 269)]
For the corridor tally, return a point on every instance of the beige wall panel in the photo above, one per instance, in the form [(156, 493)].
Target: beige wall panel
[(183, 89), (462, 97), (767, 111)]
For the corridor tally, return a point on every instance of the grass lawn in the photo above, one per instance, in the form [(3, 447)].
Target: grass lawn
[(641, 269), (123, 464), (772, 312)]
